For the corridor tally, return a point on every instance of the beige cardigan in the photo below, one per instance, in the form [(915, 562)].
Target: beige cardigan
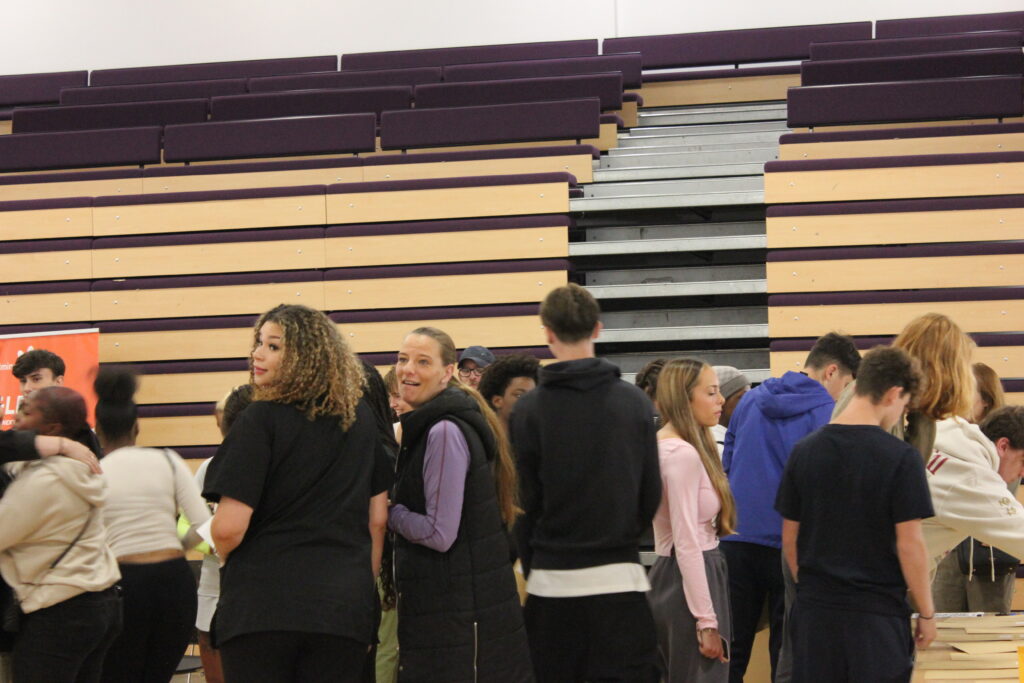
[(41, 513)]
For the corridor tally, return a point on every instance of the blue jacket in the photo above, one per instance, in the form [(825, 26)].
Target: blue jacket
[(763, 429)]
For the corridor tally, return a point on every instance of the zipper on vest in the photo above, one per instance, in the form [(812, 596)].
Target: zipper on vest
[(476, 649)]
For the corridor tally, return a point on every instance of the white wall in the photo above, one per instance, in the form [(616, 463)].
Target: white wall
[(54, 35)]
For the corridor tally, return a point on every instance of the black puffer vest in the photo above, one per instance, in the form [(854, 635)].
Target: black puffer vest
[(459, 617)]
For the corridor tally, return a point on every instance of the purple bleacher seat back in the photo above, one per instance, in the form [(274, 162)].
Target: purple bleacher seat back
[(927, 100), (371, 78), (78, 149), (309, 103), (153, 91), (211, 70), (120, 115), (735, 47), (930, 26), (400, 59), (891, 47), (628, 64), (607, 87), (913, 67), (568, 119), (339, 134), (38, 88)]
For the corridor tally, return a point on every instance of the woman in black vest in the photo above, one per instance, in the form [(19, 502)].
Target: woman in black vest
[(459, 617)]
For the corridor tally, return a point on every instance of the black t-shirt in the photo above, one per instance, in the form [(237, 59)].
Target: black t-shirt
[(848, 486), (305, 562)]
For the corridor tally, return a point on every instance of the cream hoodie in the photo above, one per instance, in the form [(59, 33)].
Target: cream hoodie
[(41, 513), (969, 497)]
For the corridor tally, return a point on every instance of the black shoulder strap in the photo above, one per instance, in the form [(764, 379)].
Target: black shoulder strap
[(77, 538)]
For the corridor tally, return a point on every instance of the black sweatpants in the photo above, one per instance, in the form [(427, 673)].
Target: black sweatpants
[(159, 621), (755, 577), (844, 646), (283, 656), (592, 638)]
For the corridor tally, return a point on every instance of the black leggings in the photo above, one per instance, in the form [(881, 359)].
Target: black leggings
[(159, 621), (283, 656)]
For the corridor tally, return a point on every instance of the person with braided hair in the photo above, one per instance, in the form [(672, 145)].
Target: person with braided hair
[(301, 483)]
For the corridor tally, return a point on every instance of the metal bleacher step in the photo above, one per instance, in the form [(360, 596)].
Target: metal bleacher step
[(639, 233), (607, 196), (677, 172), (702, 129), (687, 324), (647, 159), (703, 281), (668, 116), (659, 246), (697, 143)]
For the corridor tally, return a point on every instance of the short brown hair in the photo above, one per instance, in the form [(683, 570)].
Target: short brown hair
[(885, 367), (1007, 421), (570, 312)]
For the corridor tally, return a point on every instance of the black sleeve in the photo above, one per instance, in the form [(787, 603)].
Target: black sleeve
[(530, 492), (17, 444), (910, 496), (239, 470), (650, 480), (787, 500), (383, 470)]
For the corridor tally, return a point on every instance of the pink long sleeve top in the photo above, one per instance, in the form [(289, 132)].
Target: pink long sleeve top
[(685, 520)]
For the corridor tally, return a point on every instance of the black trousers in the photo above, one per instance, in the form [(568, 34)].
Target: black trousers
[(66, 643), (592, 638), (843, 646), (283, 656), (159, 621), (755, 578)]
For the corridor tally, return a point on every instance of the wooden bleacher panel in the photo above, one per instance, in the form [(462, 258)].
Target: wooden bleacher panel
[(732, 88), (237, 177), (944, 270), (473, 284), (45, 303), (56, 185), (188, 387), (894, 178), (440, 241), (578, 163), (888, 315), (1002, 138), (218, 295), (185, 430), (896, 222), (55, 260), (184, 344), (448, 198), (201, 211), (46, 219), (243, 251)]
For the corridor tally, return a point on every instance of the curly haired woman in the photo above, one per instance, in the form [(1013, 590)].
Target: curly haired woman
[(301, 483)]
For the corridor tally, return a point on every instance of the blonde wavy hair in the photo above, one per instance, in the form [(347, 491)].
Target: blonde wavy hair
[(319, 374), (506, 480), (676, 384), (944, 352)]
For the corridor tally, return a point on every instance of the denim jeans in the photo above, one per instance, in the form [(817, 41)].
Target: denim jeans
[(67, 642)]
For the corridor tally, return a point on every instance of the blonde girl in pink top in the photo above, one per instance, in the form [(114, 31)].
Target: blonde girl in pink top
[(689, 581)]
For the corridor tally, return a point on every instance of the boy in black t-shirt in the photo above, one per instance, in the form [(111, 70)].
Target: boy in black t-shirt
[(852, 498)]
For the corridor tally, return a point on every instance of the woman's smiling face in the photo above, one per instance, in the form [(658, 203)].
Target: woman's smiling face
[(421, 372)]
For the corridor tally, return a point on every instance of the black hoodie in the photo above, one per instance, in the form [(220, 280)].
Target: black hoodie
[(588, 467)]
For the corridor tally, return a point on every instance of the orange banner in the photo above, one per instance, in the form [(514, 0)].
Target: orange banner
[(78, 348)]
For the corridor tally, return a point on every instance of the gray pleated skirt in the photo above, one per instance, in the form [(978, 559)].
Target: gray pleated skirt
[(680, 654)]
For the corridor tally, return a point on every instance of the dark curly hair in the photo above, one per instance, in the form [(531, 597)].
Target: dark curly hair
[(498, 374)]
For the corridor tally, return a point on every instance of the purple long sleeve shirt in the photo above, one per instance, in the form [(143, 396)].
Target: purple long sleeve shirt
[(445, 465)]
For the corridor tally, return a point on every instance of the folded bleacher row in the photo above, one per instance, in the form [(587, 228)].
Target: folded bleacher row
[(908, 196), (169, 205)]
